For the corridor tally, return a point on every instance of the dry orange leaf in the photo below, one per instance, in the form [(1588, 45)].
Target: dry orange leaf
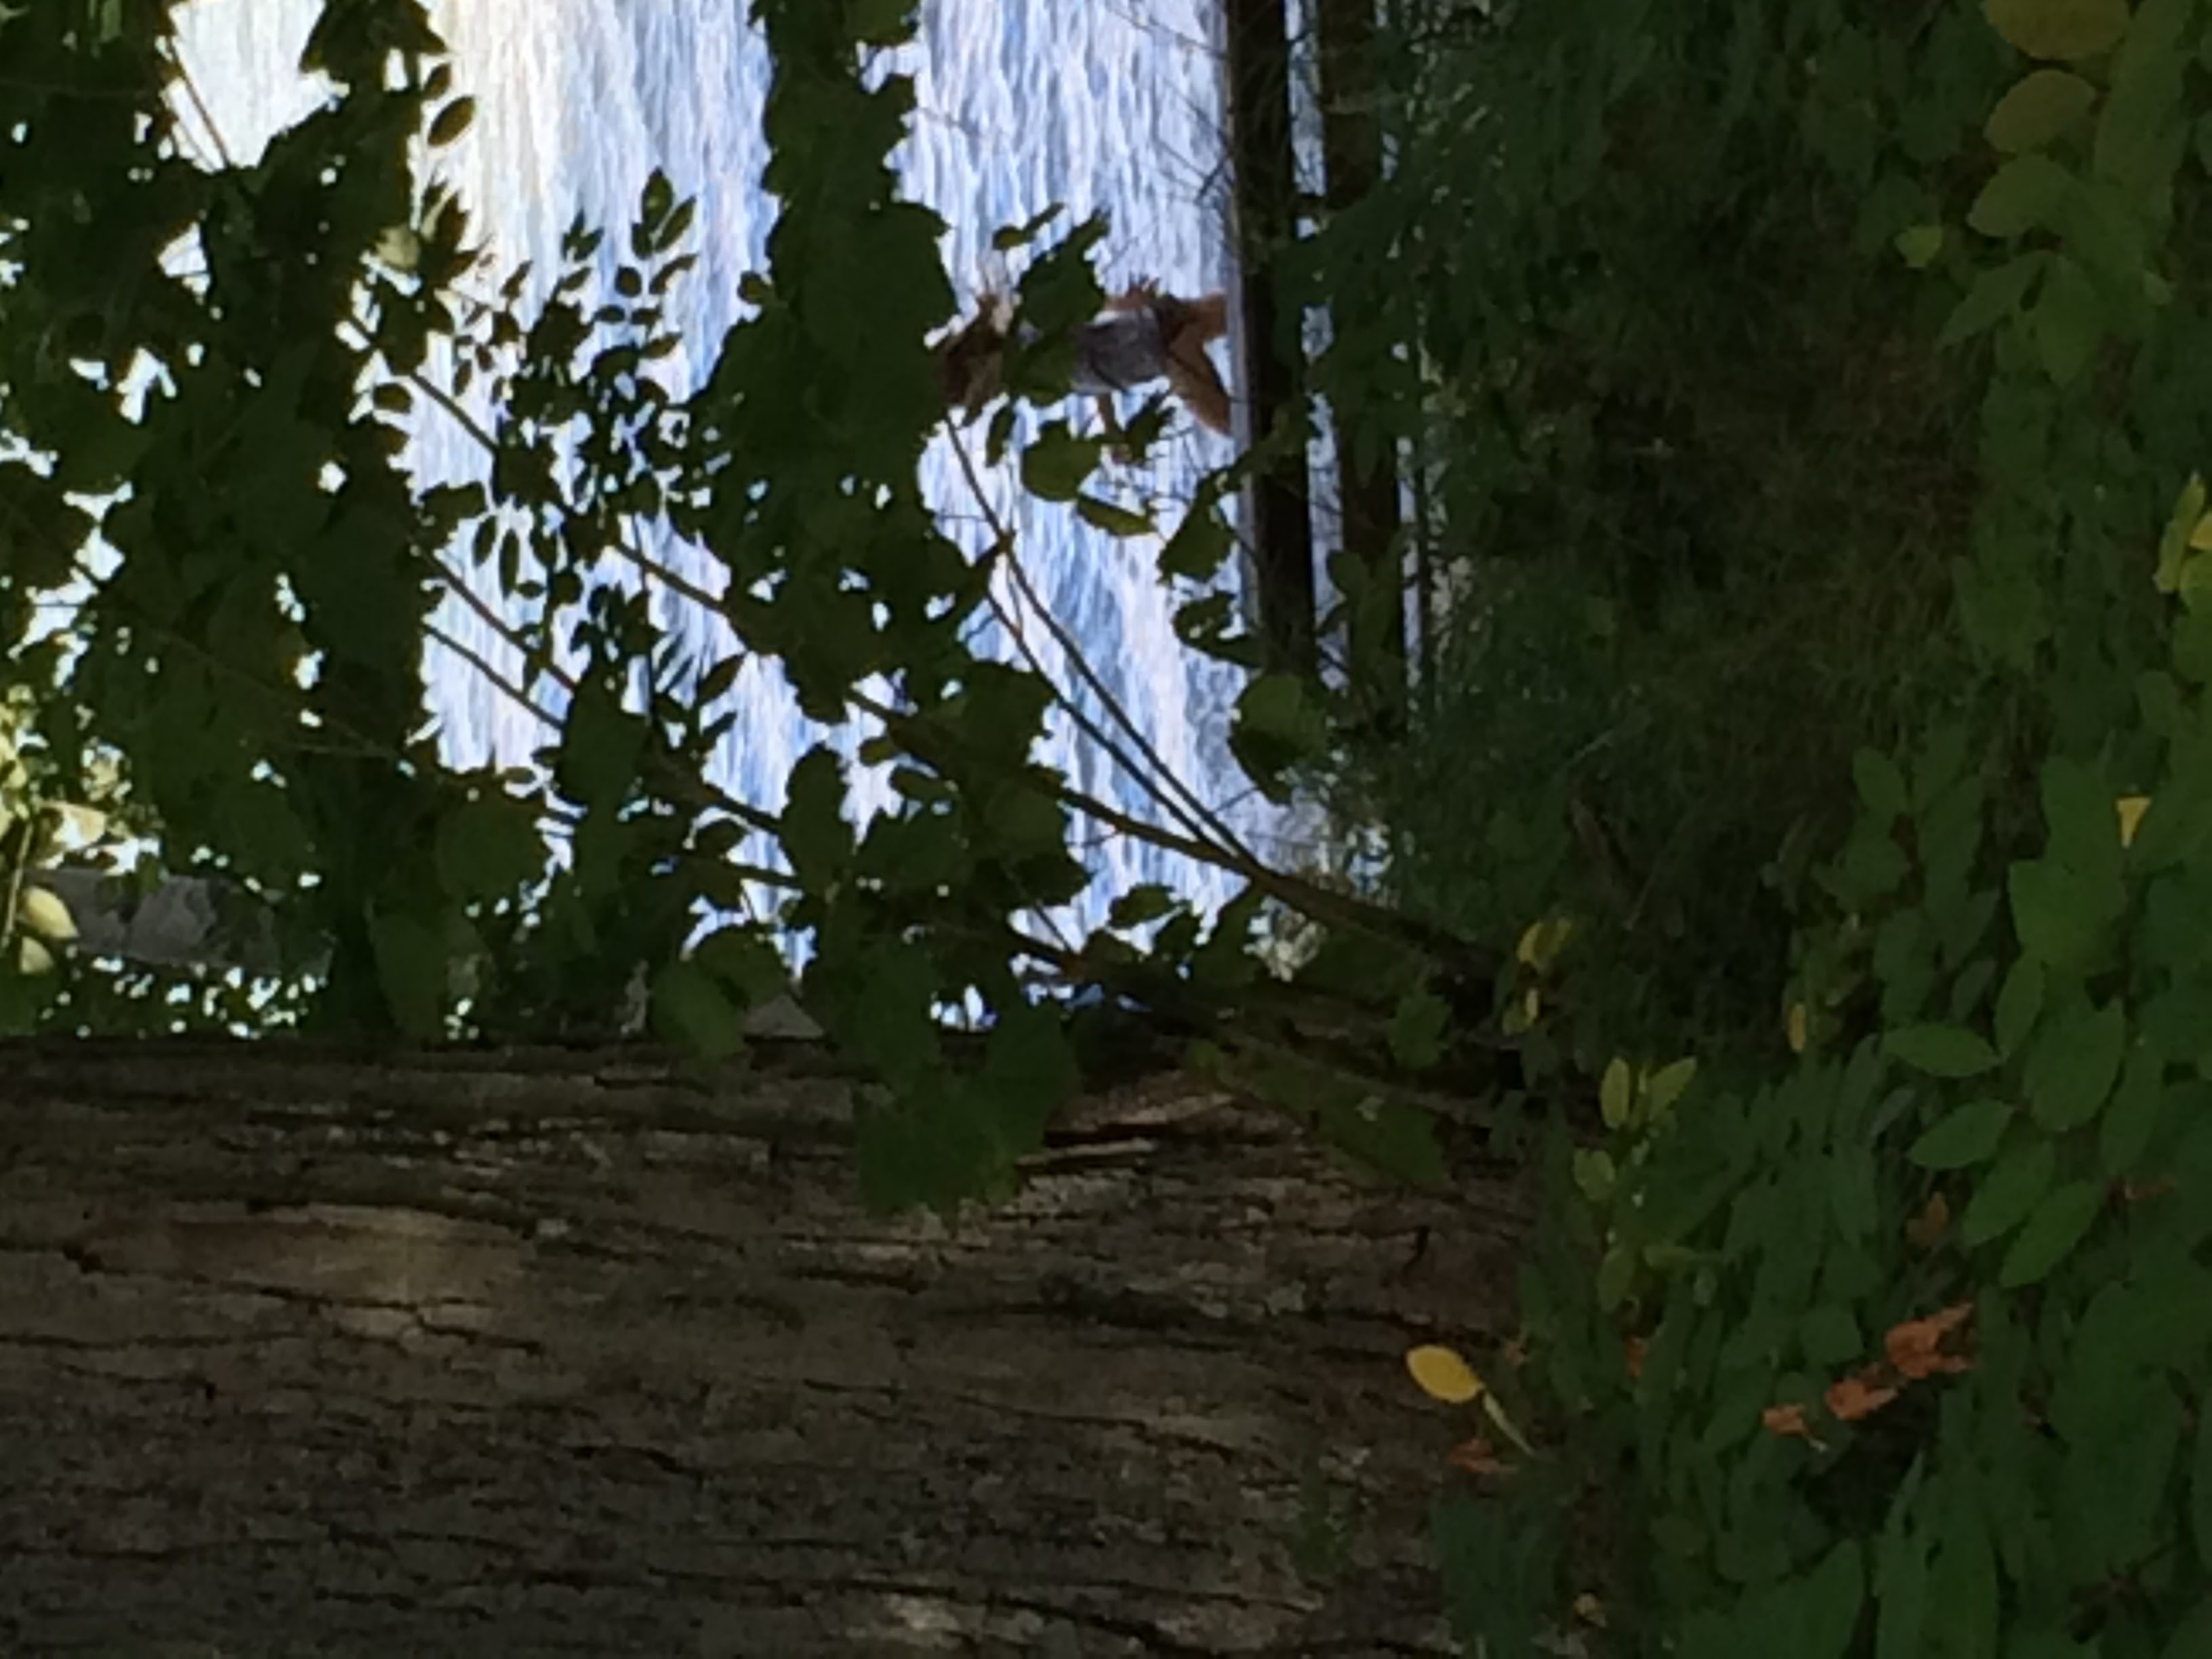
[(1854, 1397), (1477, 1456), (1633, 1354), (1785, 1420), (1442, 1375), (1914, 1347)]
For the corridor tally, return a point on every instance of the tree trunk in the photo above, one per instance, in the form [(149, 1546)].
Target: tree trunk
[(561, 1351), (1271, 346)]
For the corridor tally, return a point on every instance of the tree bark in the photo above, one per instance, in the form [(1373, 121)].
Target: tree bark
[(1256, 48), (557, 1352)]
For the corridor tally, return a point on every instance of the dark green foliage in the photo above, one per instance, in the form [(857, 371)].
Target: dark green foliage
[(1810, 402)]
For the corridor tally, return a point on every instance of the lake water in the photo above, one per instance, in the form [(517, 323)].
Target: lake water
[(1109, 105)]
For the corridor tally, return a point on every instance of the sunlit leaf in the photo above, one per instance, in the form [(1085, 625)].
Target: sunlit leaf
[(44, 915)]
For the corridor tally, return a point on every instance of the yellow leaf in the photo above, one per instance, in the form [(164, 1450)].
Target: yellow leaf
[(2061, 29), (1590, 1609), (47, 916), (1796, 1027), (1521, 1016), (1542, 942), (1615, 1094), (2201, 537), (2131, 811), (32, 958), (1442, 1375), (2188, 514)]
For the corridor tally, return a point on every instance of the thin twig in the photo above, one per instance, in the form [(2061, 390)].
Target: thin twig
[(516, 694), (1198, 817)]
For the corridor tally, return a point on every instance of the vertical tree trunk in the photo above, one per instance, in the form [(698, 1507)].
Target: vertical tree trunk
[(1264, 176), (523, 1353), (1367, 486)]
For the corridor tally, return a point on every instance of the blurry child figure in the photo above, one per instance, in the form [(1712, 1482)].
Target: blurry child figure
[(1142, 335)]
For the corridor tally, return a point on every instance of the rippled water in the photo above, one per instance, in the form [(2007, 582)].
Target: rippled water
[(1103, 104)]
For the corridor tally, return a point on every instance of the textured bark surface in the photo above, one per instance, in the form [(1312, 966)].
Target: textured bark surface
[(567, 1353)]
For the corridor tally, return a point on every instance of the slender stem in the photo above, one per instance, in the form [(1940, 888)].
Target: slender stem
[(1198, 818), (514, 693)]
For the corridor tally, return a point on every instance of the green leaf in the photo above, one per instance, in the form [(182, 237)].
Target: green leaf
[(2010, 1191), (2064, 30), (1829, 1603), (1996, 295), (816, 838), (1199, 545), (2052, 1232), (1594, 1173), (452, 122), (1918, 245), (1881, 785), (1277, 726), (2143, 130), (487, 848), (2027, 191), (1392, 1137), (410, 972), (1616, 1094), (1669, 1083), (1947, 1051), (1115, 521), (1829, 1335), (1147, 903), (1007, 238), (2060, 914), (1964, 1137), (879, 22), (601, 746), (2073, 1065), (2019, 1000), (1901, 1579), (1417, 1029), (2068, 322), (692, 1015), (1057, 464), (2040, 107), (745, 961), (2123, 1132)]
